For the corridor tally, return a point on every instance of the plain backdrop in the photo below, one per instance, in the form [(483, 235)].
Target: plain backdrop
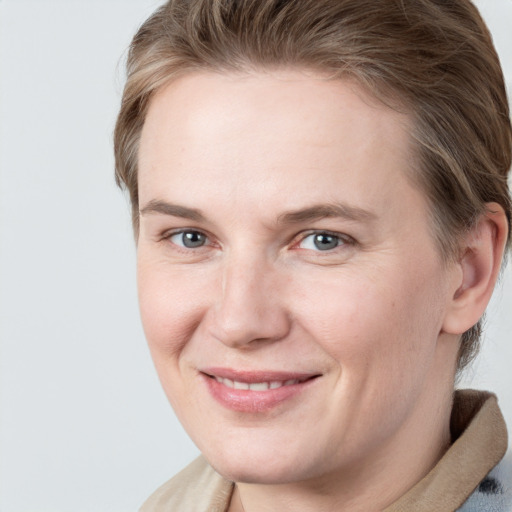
[(84, 425)]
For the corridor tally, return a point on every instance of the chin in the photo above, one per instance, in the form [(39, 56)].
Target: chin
[(261, 466), (247, 472)]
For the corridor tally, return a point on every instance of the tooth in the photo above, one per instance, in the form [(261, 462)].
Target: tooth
[(228, 382), (258, 386)]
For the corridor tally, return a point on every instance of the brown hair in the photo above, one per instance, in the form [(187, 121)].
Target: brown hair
[(433, 58)]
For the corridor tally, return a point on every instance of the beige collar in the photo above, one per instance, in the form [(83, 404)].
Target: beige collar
[(480, 442)]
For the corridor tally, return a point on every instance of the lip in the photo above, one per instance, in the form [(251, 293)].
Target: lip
[(253, 401)]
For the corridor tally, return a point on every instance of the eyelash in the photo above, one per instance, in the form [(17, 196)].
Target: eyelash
[(342, 240), (170, 234)]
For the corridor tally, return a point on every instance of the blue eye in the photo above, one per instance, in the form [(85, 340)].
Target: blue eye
[(321, 241), (189, 239)]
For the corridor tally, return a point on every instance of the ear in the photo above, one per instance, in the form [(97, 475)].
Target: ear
[(478, 270)]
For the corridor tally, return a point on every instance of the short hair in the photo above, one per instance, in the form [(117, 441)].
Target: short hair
[(433, 59)]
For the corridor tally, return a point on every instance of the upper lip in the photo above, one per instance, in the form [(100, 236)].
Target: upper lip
[(252, 376)]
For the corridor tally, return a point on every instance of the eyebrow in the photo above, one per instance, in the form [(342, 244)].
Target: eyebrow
[(174, 210), (329, 210), (311, 213)]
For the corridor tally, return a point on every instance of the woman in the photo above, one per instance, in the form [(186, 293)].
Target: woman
[(321, 210)]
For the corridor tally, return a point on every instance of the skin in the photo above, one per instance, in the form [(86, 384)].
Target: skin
[(377, 317)]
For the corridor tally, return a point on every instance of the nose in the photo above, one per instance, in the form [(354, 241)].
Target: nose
[(251, 306)]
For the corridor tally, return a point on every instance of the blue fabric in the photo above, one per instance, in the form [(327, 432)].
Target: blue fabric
[(494, 494)]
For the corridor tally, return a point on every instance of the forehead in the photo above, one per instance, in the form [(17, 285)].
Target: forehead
[(253, 136)]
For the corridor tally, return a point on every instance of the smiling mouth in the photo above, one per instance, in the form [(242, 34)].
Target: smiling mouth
[(254, 391), (258, 386)]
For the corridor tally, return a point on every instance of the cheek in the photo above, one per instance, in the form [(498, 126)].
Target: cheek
[(376, 320), (382, 335), (171, 305)]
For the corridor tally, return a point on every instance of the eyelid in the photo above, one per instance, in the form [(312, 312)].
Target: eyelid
[(168, 234), (297, 239), (343, 237)]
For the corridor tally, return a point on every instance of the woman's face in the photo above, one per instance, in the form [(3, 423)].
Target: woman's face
[(291, 292)]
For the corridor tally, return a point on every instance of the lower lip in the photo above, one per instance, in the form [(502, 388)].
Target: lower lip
[(245, 400)]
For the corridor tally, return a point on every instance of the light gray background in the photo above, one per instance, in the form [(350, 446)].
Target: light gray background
[(84, 425)]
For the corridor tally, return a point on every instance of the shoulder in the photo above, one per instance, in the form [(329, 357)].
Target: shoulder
[(197, 488), (494, 493)]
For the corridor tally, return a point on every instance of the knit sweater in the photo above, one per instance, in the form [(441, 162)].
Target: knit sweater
[(494, 493)]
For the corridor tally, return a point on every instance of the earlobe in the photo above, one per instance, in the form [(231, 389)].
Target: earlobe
[(479, 265)]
